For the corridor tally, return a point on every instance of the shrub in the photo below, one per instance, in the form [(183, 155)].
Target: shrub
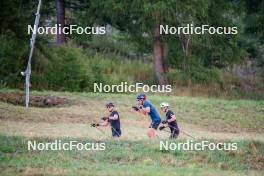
[(195, 75), (12, 61), (74, 69)]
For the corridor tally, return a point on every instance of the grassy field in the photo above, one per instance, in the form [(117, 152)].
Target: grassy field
[(130, 158), (217, 120)]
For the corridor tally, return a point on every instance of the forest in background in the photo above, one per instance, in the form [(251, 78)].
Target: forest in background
[(217, 96), (131, 50)]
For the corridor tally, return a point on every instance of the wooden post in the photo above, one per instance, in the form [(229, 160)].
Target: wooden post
[(32, 44)]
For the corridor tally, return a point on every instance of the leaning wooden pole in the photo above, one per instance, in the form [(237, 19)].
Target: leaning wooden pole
[(27, 73)]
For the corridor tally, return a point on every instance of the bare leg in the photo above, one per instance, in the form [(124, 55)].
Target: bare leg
[(151, 132)]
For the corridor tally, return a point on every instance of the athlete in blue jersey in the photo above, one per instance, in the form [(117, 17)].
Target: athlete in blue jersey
[(146, 108)]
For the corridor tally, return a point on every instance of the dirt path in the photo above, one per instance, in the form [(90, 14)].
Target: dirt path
[(130, 131)]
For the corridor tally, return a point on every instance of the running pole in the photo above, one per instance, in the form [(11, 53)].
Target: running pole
[(117, 133), (182, 132), (27, 73)]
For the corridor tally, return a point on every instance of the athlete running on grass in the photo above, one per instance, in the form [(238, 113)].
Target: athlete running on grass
[(113, 119), (145, 107), (170, 120)]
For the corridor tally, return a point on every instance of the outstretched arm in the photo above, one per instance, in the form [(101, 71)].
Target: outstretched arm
[(104, 123)]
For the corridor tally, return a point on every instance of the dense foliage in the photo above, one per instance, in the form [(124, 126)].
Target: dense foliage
[(126, 50)]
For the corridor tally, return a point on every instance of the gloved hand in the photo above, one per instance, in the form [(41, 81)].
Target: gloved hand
[(135, 108), (105, 118), (161, 127), (94, 124), (164, 121)]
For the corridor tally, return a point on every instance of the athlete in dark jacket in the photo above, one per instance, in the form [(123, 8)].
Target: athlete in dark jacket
[(113, 119), (170, 120)]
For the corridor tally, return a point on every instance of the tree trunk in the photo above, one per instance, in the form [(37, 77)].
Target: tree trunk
[(60, 9), (185, 43), (159, 55)]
